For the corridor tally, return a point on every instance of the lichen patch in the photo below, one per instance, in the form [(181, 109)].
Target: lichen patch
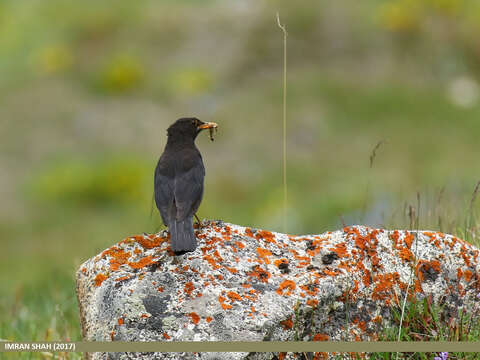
[(259, 282)]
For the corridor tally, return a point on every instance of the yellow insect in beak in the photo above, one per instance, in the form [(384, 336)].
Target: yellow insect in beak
[(210, 126)]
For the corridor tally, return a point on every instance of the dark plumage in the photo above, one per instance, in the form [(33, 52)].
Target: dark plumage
[(178, 182)]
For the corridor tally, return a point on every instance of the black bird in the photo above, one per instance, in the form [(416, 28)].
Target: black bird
[(178, 182)]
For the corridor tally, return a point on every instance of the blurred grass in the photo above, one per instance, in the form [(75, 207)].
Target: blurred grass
[(87, 90)]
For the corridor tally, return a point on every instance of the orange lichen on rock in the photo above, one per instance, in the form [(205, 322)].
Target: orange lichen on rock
[(395, 236), (355, 288), (113, 252), (435, 264), (234, 296), (309, 289), (406, 254), (367, 277), (468, 275), (118, 259), (231, 269), (212, 262), (280, 262), (248, 232), (287, 324), (361, 324), (166, 336), (195, 317), (360, 242), (149, 242), (408, 240), (100, 278), (264, 254), (120, 321), (418, 286), (376, 261), (475, 255), (424, 265), (251, 298), (320, 337), (217, 256), (315, 251), (330, 272), (148, 260), (226, 233), (340, 250), (464, 256), (303, 263), (239, 244), (188, 288), (384, 285), (266, 235), (286, 284), (117, 256), (221, 300), (259, 273), (312, 302), (298, 257), (208, 319)]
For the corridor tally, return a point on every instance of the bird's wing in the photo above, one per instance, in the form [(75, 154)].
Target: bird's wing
[(188, 185), (164, 188)]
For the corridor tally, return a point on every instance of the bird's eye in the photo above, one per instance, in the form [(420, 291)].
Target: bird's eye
[(195, 122)]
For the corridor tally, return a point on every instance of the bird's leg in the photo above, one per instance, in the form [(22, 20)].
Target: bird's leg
[(157, 229), (198, 221)]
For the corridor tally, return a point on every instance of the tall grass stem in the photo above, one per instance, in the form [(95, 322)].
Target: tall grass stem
[(284, 30), (412, 272)]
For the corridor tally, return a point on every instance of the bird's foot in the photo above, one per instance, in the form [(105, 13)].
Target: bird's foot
[(198, 223), (178, 253)]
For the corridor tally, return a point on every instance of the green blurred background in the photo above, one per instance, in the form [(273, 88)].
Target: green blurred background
[(88, 88)]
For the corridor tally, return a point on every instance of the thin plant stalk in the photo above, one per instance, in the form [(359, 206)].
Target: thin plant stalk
[(469, 221), (372, 157), (411, 271), (284, 30)]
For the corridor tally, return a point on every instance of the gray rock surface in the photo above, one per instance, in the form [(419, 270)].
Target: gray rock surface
[(243, 284)]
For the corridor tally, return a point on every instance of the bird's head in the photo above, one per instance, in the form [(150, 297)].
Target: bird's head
[(189, 128)]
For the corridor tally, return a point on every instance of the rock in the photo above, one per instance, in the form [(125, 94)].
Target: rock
[(254, 285)]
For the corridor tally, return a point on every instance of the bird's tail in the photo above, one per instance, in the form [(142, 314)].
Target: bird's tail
[(182, 236)]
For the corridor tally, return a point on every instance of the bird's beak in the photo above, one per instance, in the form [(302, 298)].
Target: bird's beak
[(208, 125)]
